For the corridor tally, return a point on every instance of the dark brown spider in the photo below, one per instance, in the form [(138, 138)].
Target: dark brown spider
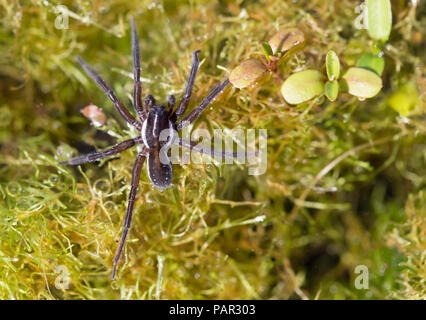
[(153, 119)]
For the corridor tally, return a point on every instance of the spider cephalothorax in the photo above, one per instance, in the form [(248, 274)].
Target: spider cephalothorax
[(153, 120)]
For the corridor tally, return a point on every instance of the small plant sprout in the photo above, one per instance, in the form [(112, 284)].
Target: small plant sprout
[(333, 72), (363, 81), (252, 72), (153, 119)]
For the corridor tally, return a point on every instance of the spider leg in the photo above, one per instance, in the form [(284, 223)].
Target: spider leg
[(212, 153), (137, 86), (120, 147), (194, 114), (117, 103), (188, 91), (128, 219)]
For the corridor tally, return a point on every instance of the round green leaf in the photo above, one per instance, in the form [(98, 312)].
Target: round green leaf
[(303, 86), (247, 73), (331, 90), (379, 19), (362, 83), (371, 62), (333, 65)]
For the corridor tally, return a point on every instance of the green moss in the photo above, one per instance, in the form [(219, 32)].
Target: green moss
[(341, 175)]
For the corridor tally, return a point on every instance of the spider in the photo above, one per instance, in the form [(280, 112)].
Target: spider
[(153, 118)]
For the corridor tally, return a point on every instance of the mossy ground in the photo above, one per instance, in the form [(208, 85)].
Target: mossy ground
[(345, 183)]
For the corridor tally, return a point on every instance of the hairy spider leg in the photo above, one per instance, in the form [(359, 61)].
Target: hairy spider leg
[(194, 114), (90, 157), (189, 87), (128, 219), (117, 103), (137, 86)]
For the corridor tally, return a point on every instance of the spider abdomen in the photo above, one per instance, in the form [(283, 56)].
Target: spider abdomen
[(160, 170)]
